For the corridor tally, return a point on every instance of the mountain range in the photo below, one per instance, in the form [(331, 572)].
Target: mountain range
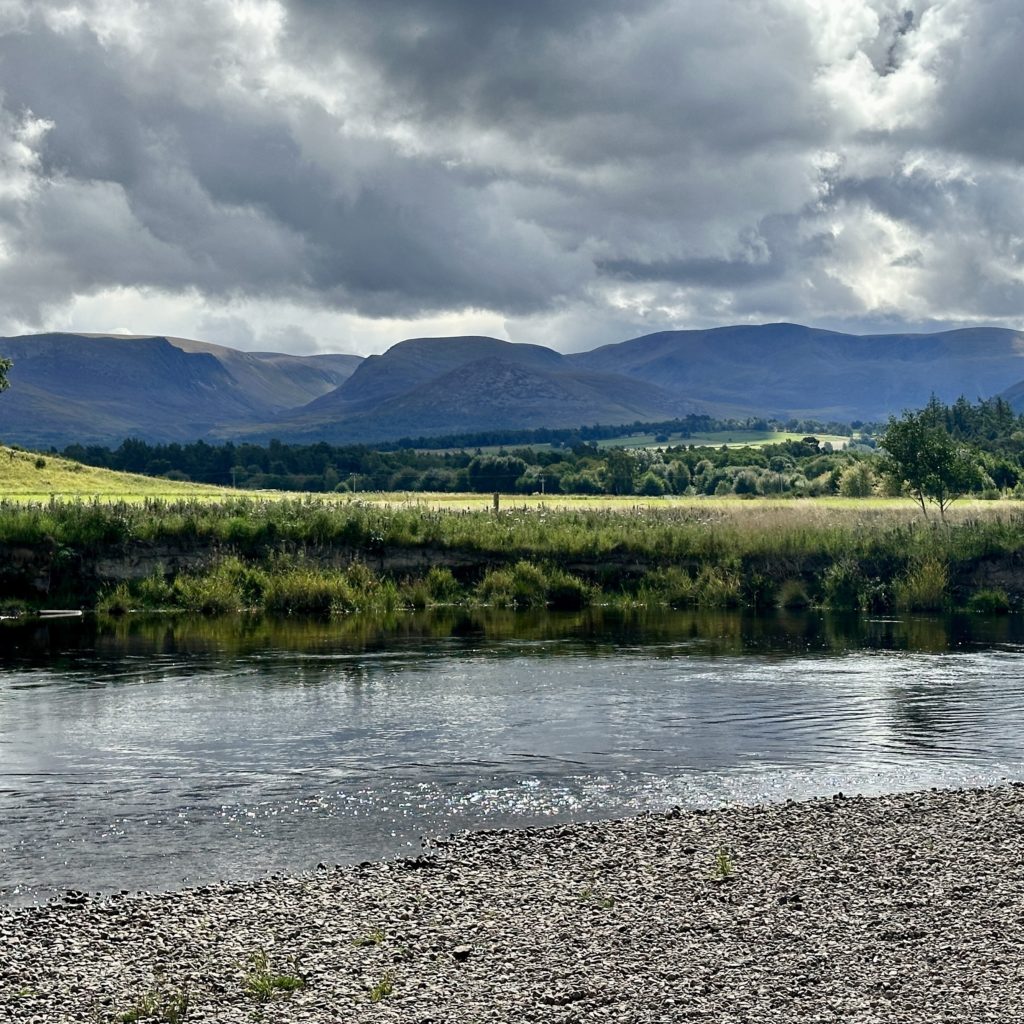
[(100, 389)]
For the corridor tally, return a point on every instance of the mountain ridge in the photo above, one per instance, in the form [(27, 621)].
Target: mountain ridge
[(77, 388)]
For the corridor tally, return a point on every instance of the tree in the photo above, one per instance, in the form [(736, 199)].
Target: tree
[(5, 365), (495, 473), (857, 481), (934, 466), (619, 469)]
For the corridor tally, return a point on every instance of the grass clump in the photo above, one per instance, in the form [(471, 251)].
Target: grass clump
[(843, 586), (924, 587), (604, 902), (438, 587), (382, 988), (724, 864), (168, 1007), (989, 602), (529, 585), (262, 983), (370, 938)]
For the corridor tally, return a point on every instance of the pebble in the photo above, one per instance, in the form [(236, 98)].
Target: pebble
[(902, 908)]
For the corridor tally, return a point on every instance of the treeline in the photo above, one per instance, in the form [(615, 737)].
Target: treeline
[(989, 430), (801, 467)]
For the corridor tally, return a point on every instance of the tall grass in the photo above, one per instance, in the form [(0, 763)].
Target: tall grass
[(310, 555)]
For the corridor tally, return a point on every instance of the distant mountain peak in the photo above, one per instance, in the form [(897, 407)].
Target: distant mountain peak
[(101, 388)]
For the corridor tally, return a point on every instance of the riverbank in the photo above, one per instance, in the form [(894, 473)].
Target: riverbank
[(895, 908), (314, 557)]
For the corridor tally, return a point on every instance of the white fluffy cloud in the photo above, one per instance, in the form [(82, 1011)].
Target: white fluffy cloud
[(345, 173)]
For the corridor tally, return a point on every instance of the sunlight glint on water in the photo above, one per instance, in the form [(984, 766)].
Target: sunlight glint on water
[(128, 767)]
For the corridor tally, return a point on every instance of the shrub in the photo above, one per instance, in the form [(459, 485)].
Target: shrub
[(442, 586), (567, 592), (857, 481)]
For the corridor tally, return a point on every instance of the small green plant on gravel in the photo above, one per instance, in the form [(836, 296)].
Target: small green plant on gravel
[(724, 866), (589, 896), (382, 988), (371, 938), (262, 983), (168, 1007)]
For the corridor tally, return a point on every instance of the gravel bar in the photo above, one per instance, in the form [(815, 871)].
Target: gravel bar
[(895, 908)]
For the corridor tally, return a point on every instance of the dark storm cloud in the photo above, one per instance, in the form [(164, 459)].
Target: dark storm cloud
[(714, 272), (220, 197), (540, 160)]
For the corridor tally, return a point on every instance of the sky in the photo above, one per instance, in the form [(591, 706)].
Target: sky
[(337, 175)]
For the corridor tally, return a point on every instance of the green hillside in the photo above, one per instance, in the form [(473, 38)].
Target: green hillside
[(29, 475)]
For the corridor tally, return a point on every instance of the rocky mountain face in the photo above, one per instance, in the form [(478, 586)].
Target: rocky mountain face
[(100, 389)]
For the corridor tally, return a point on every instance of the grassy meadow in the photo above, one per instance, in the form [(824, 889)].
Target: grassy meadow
[(31, 476)]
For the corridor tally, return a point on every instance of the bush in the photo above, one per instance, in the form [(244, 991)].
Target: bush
[(497, 588), (567, 592), (857, 481), (651, 485)]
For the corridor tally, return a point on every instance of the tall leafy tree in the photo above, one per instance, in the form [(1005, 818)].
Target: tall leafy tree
[(934, 467), (5, 365)]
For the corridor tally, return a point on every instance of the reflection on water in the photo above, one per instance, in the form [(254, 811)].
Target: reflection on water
[(156, 752)]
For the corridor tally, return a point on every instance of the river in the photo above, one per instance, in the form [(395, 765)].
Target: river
[(158, 753)]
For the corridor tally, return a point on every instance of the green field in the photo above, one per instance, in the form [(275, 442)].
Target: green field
[(715, 439), (28, 476), (730, 438)]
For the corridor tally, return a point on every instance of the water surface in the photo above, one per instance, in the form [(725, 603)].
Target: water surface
[(160, 753)]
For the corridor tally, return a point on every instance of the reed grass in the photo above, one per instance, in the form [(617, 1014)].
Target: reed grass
[(313, 556)]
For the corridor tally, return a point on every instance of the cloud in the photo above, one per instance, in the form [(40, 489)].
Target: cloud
[(576, 168)]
